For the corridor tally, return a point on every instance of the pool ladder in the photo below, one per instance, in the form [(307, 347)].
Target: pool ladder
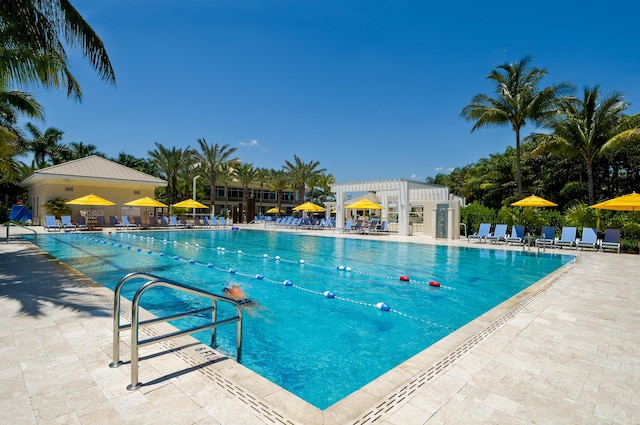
[(136, 323)]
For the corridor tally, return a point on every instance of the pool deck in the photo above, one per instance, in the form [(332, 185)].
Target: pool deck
[(565, 350)]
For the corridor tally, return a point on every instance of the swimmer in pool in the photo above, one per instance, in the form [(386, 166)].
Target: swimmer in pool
[(237, 294)]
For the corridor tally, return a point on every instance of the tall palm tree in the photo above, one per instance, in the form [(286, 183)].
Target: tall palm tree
[(517, 100), (170, 162), (31, 49), (323, 183), (263, 178), (13, 103), (225, 175), (246, 175), (44, 145), (278, 182), (583, 127), (81, 150), (302, 173), (211, 158)]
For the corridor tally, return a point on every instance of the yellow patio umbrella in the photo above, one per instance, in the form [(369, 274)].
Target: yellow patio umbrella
[(190, 203), (90, 200), (309, 207), (274, 210), (533, 201), (364, 204), (629, 202), (145, 202)]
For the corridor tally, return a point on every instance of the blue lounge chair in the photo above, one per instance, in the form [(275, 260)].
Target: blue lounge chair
[(173, 222), (81, 222), (483, 232), (125, 222), (517, 235), (589, 239), (214, 221), (548, 237), (163, 221), (348, 226), (50, 223), (66, 222), (113, 221), (611, 240), (222, 222), (568, 238), (381, 228), (499, 235), (137, 220), (100, 221)]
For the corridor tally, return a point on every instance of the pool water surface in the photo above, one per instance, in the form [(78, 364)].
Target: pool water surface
[(317, 347)]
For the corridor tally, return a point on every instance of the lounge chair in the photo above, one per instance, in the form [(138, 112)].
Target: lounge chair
[(358, 227), (348, 226), (50, 223), (100, 223), (517, 235), (611, 240), (81, 222), (183, 222), (548, 237), (499, 235), (173, 222), (163, 221), (381, 228), (483, 232), (66, 222), (125, 222), (213, 222), (137, 221), (589, 239), (568, 238), (222, 222)]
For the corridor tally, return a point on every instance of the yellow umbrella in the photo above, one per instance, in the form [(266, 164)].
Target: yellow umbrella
[(190, 203), (364, 204), (90, 199), (629, 202), (274, 210), (309, 207), (533, 201), (145, 202)]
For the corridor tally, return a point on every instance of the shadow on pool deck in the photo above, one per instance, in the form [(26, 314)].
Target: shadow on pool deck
[(565, 350)]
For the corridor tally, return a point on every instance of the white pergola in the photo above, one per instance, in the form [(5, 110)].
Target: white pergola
[(402, 192)]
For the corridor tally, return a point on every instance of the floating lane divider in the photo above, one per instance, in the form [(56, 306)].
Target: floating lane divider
[(382, 306)]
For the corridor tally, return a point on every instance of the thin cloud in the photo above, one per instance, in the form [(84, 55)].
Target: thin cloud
[(252, 144)]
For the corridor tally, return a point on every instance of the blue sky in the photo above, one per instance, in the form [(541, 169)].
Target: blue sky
[(371, 89)]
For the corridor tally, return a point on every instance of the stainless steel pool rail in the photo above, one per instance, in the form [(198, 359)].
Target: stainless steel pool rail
[(135, 324)]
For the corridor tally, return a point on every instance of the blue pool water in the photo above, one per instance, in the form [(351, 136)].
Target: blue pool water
[(321, 349)]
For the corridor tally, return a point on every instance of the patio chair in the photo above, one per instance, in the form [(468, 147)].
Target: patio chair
[(589, 239), (81, 222), (568, 238), (611, 240), (548, 237), (483, 231), (100, 223), (173, 222), (51, 224), (137, 220), (499, 235), (65, 220), (517, 235), (382, 228), (125, 222), (163, 221), (348, 226), (222, 222)]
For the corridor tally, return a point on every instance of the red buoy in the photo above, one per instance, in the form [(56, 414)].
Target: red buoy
[(434, 283), (404, 278)]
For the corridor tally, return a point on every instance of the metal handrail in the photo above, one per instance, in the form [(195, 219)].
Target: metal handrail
[(136, 323), (9, 224)]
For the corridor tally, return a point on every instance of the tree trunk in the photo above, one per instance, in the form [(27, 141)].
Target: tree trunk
[(592, 196), (518, 174)]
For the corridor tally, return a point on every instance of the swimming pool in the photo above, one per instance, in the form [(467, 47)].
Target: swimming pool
[(320, 349)]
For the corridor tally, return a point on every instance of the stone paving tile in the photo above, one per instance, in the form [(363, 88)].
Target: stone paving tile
[(570, 356)]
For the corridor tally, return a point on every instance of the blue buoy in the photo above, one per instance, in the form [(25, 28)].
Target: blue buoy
[(329, 294), (288, 283), (259, 276), (149, 252), (383, 306), (232, 270), (175, 257), (192, 261), (209, 265), (139, 249), (162, 254)]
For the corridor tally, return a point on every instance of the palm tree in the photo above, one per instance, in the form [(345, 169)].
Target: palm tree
[(31, 50), (263, 178), (79, 150), (170, 163), (44, 145), (211, 158), (323, 183), (302, 173), (246, 175), (517, 101), (278, 182), (225, 175), (583, 128)]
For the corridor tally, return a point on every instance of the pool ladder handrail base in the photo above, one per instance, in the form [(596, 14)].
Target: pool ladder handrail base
[(136, 323)]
